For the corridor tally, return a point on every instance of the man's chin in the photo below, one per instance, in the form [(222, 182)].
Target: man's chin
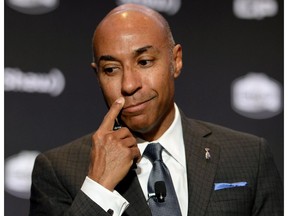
[(137, 124)]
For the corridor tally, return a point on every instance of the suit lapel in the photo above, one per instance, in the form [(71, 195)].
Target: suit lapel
[(200, 171), (131, 190)]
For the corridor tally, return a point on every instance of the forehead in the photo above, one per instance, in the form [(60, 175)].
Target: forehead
[(133, 19), (128, 31)]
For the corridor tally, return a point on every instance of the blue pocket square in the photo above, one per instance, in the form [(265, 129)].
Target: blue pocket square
[(220, 186)]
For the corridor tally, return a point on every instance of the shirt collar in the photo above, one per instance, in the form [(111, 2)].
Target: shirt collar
[(171, 140)]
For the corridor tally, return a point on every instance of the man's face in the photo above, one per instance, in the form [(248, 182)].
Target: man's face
[(136, 62)]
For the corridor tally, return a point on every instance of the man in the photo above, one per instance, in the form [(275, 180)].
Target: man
[(215, 170)]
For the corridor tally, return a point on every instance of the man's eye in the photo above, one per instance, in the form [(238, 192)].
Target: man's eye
[(145, 62), (109, 69)]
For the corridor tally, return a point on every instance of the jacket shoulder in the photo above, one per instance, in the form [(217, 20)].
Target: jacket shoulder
[(71, 149), (218, 132)]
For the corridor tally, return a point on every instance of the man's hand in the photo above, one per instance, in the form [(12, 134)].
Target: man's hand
[(113, 152)]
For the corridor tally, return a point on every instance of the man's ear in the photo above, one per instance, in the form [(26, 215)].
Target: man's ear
[(94, 66), (177, 57)]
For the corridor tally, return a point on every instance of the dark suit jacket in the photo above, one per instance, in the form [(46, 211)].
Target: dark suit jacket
[(235, 157)]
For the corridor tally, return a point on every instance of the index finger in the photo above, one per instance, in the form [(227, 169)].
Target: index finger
[(112, 114)]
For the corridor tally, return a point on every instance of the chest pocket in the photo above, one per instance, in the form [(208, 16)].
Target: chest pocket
[(233, 201)]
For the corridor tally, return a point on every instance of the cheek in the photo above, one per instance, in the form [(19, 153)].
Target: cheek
[(161, 80)]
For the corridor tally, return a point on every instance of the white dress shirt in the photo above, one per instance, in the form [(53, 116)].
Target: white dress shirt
[(173, 156)]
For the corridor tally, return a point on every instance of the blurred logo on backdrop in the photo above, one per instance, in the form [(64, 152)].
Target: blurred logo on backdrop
[(255, 9), (257, 96), (170, 7), (52, 83), (18, 170), (33, 7)]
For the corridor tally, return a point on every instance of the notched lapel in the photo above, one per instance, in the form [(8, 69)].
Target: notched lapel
[(200, 170)]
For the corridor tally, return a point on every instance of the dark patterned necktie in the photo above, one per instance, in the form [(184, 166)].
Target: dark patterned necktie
[(160, 172)]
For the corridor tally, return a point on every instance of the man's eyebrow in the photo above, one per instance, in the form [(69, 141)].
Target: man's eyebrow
[(106, 58), (141, 50), (137, 52)]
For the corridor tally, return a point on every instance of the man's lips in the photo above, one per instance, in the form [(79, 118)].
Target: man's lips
[(137, 107)]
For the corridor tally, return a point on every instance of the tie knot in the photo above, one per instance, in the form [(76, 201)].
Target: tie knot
[(153, 152)]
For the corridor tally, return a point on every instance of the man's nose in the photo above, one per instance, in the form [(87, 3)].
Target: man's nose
[(131, 81)]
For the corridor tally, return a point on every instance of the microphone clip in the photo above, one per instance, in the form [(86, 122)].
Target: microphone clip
[(160, 192)]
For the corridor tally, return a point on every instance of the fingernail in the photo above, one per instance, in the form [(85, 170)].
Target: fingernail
[(120, 101)]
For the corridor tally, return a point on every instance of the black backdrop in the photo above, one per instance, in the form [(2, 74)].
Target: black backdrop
[(219, 47)]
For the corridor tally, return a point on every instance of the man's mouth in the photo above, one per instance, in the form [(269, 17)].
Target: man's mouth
[(136, 108)]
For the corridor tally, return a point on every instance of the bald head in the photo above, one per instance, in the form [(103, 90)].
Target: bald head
[(136, 58), (133, 7), (131, 17)]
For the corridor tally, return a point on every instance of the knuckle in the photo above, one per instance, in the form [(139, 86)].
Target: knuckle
[(97, 134), (109, 138), (96, 138)]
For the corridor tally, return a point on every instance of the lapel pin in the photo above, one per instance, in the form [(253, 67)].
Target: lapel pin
[(207, 153)]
